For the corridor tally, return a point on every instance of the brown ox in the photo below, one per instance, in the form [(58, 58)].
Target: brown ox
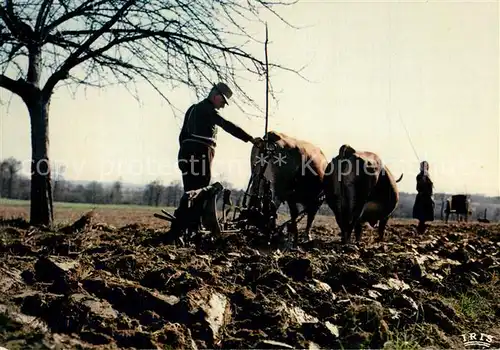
[(359, 188), (295, 169)]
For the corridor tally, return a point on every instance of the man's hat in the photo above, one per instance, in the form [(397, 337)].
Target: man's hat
[(224, 90)]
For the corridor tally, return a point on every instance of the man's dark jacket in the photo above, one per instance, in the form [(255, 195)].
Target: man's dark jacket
[(200, 125)]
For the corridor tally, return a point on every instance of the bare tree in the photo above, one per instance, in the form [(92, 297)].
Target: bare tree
[(4, 178), (58, 182), (153, 193), (115, 195), (94, 193), (99, 42), (9, 169)]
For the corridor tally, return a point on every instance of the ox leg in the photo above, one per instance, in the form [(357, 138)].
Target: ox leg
[(358, 230), (294, 213), (311, 215), (381, 228), (332, 204), (346, 233)]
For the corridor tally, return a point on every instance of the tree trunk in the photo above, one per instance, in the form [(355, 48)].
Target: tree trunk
[(10, 192), (41, 211)]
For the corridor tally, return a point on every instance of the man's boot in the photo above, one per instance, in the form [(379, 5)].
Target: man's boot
[(177, 227)]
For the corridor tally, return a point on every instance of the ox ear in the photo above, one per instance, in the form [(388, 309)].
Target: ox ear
[(273, 136), (346, 151)]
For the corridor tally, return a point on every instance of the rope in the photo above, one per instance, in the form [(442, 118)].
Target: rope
[(409, 137)]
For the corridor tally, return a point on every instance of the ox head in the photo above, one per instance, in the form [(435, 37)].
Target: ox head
[(278, 164), (349, 178), (260, 171)]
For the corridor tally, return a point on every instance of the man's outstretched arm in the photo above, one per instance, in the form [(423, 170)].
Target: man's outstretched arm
[(235, 130)]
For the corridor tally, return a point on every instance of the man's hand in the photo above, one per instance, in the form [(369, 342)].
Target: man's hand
[(258, 142)]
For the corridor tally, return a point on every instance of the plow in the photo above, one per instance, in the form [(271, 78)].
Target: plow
[(257, 214)]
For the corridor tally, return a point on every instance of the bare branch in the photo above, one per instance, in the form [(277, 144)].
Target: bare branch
[(14, 86), (79, 11), (72, 60), (268, 5), (17, 27), (42, 15), (179, 42), (185, 38)]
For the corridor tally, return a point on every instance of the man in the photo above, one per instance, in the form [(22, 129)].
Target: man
[(197, 139)]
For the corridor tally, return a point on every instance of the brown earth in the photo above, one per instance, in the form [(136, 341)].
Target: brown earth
[(105, 285)]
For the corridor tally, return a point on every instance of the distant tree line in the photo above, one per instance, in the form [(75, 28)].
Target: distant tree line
[(14, 185)]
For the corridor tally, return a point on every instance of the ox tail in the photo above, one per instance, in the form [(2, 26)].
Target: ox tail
[(400, 178)]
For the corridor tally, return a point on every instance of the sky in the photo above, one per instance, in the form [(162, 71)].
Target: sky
[(408, 80)]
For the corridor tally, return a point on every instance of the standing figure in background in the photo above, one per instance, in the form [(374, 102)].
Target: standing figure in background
[(423, 209)]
